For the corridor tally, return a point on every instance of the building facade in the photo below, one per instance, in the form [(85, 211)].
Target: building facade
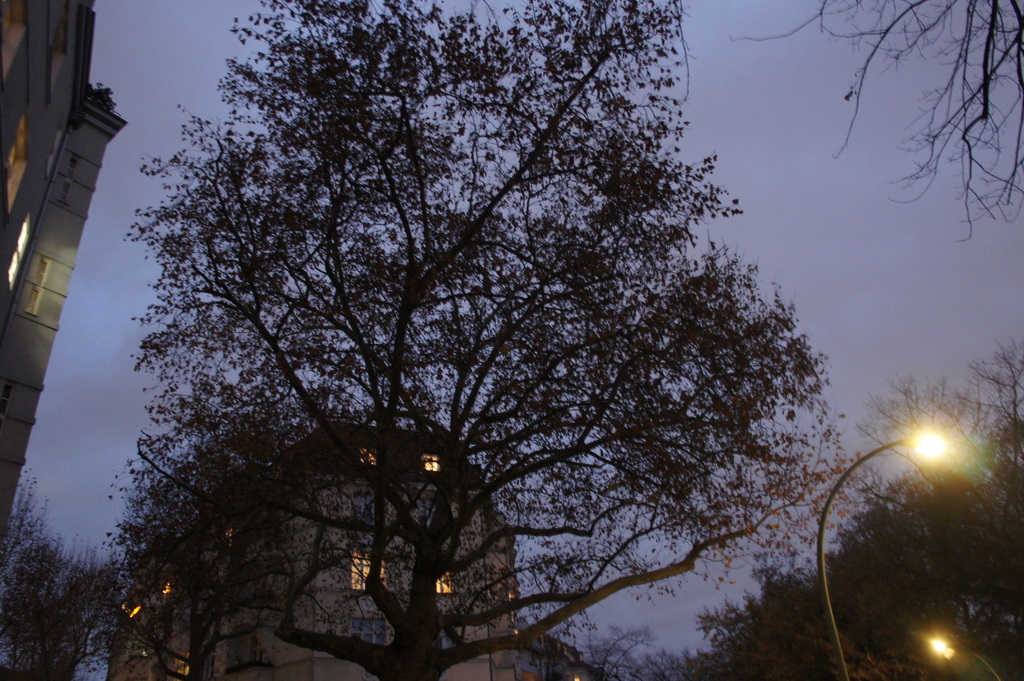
[(217, 622), (54, 129)]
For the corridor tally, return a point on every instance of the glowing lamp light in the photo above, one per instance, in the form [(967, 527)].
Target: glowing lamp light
[(930, 446), (940, 647)]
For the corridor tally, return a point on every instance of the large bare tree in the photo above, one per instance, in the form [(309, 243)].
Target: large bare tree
[(467, 234)]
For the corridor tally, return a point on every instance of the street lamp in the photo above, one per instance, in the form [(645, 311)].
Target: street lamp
[(928, 445), (942, 648)]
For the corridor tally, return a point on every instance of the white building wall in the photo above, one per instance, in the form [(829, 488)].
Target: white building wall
[(45, 74)]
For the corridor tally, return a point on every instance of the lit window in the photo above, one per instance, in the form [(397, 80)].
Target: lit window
[(19, 254), (360, 570), (43, 270), (369, 629), (368, 457), (14, 30), (32, 307), (181, 665), (17, 160), (444, 585), (431, 462)]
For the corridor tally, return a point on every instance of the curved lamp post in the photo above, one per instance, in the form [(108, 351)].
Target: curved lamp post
[(941, 648), (929, 446)]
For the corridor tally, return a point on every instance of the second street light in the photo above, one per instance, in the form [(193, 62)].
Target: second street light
[(930, 445), (942, 648)]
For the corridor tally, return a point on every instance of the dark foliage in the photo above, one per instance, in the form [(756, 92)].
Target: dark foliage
[(58, 607)]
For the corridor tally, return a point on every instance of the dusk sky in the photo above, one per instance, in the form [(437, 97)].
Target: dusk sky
[(883, 285)]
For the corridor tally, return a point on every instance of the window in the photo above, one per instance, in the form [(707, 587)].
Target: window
[(70, 170), (59, 47), (72, 167), (5, 397), (19, 254), (431, 462), (425, 511), (444, 585), (368, 457), (257, 655), (43, 270), (51, 158), (32, 307), (362, 508), (5, 401), (65, 190), (369, 629), (245, 650), (250, 651), (36, 294), (14, 30), (360, 570), (17, 160), (181, 665), (443, 641)]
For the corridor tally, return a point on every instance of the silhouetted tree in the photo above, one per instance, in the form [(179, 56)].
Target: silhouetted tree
[(617, 655), (58, 607), (468, 234), (198, 576)]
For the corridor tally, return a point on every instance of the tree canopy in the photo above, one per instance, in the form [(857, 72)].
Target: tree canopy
[(467, 234)]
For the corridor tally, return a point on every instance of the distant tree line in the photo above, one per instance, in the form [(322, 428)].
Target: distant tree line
[(935, 554), (58, 605)]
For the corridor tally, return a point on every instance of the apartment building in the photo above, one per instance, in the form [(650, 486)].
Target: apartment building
[(171, 631), (54, 129)]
